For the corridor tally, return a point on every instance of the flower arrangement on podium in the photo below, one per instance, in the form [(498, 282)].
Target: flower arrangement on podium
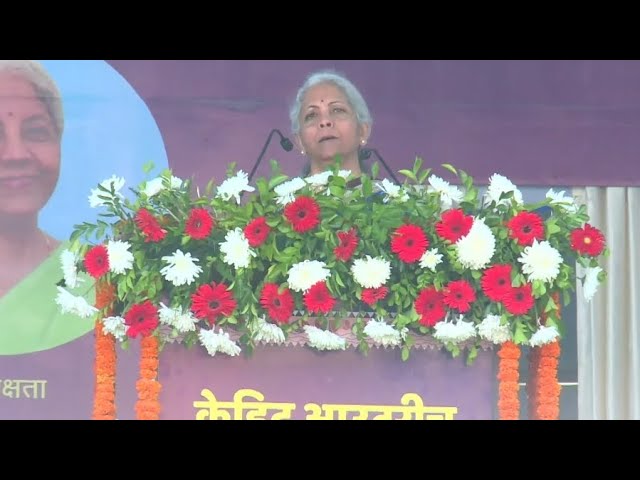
[(335, 261)]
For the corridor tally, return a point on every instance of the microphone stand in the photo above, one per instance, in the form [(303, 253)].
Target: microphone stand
[(365, 153), (285, 143)]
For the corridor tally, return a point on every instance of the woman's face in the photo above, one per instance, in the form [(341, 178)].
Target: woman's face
[(29, 148), (328, 125)]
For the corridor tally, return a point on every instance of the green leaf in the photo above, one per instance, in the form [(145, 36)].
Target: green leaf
[(277, 180), (408, 174), (451, 168), (405, 354), (375, 170)]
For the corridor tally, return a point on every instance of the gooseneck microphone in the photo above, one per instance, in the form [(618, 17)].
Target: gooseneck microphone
[(285, 143), (365, 153)]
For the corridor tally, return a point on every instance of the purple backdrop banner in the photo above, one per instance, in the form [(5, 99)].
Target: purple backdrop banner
[(305, 384), (556, 122)]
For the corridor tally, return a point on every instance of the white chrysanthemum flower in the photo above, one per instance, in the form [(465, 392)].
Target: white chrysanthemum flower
[(591, 283), (567, 203), (540, 261), (384, 334), (543, 336), (120, 258), (454, 331), (371, 272), (498, 185), (304, 275), (392, 190), (115, 326), (218, 342), (232, 187), (156, 185), (76, 305), (236, 249), (324, 339), (319, 179), (491, 330), (68, 260), (268, 332), (477, 247), (450, 195), (117, 182), (181, 268), (430, 259), (183, 322), (286, 191)]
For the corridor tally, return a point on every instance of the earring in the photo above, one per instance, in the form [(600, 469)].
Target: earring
[(301, 152), (363, 141)]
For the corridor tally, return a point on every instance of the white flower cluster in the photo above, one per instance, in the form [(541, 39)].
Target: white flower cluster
[(324, 339), (74, 304), (115, 326), (233, 187), (450, 195), (371, 272), (543, 336), (268, 332), (384, 334), (236, 250), (181, 268), (454, 331), (181, 321), (218, 342), (304, 275), (476, 249), (491, 330), (156, 185)]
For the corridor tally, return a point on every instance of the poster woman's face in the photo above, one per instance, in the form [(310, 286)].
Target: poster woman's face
[(29, 148)]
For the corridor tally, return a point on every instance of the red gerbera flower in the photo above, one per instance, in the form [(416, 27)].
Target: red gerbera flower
[(303, 214), (318, 299), (496, 282), (409, 242), (142, 319), (149, 226), (211, 301), (525, 227), (279, 305), (257, 231), (199, 224), (587, 240), (459, 294), (96, 261), (430, 306), (371, 295), (454, 225), (348, 244), (519, 300)]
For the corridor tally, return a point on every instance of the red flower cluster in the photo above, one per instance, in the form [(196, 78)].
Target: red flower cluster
[(199, 224), (409, 242), (459, 294), (257, 232), (303, 214), (430, 306), (496, 285), (279, 305), (142, 319), (587, 240), (211, 301), (149, 226), (348, 244), (318, 299), (96, 261), (454, 225), (525, 227), (371, 295)]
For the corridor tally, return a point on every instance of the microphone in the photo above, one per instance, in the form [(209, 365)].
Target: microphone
[(365, 153), (285, 143)]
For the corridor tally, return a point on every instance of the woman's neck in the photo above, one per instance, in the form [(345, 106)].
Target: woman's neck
[(21, 239)]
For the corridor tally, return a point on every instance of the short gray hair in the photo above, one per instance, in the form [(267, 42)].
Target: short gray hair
[(355, 98), (45, 87)]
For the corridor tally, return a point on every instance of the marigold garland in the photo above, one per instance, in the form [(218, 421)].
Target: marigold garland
[(104, 397), (544, 400), (508, 386), (148, 387)]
